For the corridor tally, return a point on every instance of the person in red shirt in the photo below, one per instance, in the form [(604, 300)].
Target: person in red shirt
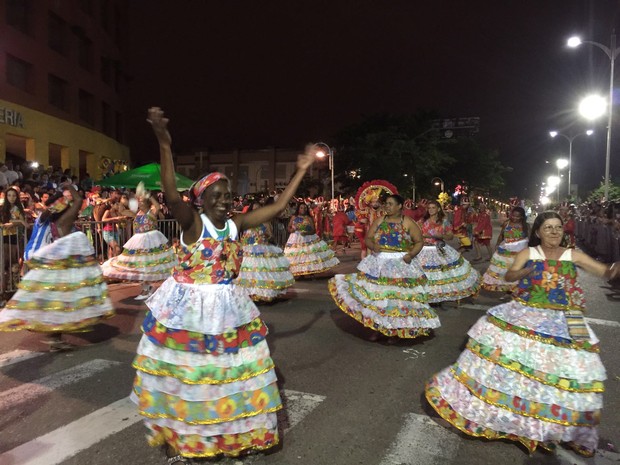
[(568, 240), (340, 222), (416, 214), (483, 231)]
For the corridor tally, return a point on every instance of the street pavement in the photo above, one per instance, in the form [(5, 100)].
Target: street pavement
[(347, 400)]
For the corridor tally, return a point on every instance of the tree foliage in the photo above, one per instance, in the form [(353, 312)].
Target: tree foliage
[(597, 194), (404, 149)]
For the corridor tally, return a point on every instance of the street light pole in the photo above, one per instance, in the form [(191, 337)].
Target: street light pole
[(330, 154), (570, 150), (612, 53)]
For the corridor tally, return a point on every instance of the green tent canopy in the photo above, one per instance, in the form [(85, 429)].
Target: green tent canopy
[(149, 174)]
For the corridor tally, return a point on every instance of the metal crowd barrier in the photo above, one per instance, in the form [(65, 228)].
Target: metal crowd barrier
[(600, 240), (11, 252)]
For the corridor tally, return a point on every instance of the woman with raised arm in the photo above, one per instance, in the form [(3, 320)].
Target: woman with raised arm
[(205, 380), (146, 256), (64, 290), (531, 371), (387, 294)]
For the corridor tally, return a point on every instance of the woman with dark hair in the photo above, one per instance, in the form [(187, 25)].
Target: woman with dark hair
[(14, 225), (387, 294), (305, 251), (265, 271), (64, 290), (512, 239), (531, 372), (205, 381), (146, 256), (450, 276)]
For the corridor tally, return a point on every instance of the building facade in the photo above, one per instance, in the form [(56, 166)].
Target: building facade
[(61, 84), (250, 171)]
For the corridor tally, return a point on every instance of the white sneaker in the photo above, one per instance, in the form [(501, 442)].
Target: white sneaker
[(141, 297)]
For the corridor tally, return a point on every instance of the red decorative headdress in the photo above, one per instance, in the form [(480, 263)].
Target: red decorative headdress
[(371, 192)]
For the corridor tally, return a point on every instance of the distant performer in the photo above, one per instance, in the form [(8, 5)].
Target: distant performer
[(306, 252)]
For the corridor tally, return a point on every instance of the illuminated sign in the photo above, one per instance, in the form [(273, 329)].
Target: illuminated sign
[(11, 117)]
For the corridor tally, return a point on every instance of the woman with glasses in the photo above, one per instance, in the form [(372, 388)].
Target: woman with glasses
[(531, 371)]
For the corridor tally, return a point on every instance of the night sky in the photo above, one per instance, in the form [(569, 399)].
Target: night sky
[(253, 74)]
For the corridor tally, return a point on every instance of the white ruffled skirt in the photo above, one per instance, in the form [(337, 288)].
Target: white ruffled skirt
[(145, 257), (502, 260), (523, 378), (386, 295), (450, 276), (308, 254), (265, 272), (63, 291)]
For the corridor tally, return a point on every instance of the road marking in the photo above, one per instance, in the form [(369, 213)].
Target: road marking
[(413, 354), (65, 442), (296, 406), (41, 386), (17, 356), (421, 441), (595, 321), (484, 308), (58, 445)]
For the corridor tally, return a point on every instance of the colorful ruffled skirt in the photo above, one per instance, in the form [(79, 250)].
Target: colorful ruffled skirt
[(63, 291), (265, 272), (522, 377), (504, 256), (449, 275), (145, 257), (205, 380), (308, 254), (386, 295)]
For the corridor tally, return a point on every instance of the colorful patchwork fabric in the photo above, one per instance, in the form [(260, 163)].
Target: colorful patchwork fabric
[(210, 261), (513, 233), (144, 222), (303, 224), (430, 230), (392, 236), (180, 339), (254, 236)]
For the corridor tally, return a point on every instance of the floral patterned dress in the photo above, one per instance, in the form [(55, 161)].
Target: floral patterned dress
[(146, 255), (450, 276), (305, 251), (265, 272), (387, 294), (205, 380), (531, 371), (515, 240)]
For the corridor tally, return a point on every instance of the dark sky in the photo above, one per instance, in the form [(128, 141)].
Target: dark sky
[(252, 74)]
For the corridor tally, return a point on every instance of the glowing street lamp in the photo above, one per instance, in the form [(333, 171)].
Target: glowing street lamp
[(570, 140), (438, 182), (327, 153), (612, 53)]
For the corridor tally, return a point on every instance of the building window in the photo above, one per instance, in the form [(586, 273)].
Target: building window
[(106, 117), (19, 14), (57, 33), (106, 70), (19, 73), (118, 126), (85, 47), (57, 92), (86, 107)]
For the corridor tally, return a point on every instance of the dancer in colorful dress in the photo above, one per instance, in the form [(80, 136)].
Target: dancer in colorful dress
[(265, 271), (146, 256), (450, 276), (387, 293), (205, 381), (512, 240), (483, 232), (305, 251), (531, 371), (64, 290)]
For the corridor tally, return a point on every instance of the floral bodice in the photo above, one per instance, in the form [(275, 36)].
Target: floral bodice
[(144, 222), (431, 229), (255, 236), (303, 224), (513, 233), (392, 236), (553, 284), (215, 258)]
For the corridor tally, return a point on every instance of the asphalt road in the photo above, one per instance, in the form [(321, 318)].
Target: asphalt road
[(348, 400)]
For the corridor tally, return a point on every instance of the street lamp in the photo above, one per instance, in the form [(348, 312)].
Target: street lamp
[(438, 182), (570, 140), (612, 53), (329, 153)]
